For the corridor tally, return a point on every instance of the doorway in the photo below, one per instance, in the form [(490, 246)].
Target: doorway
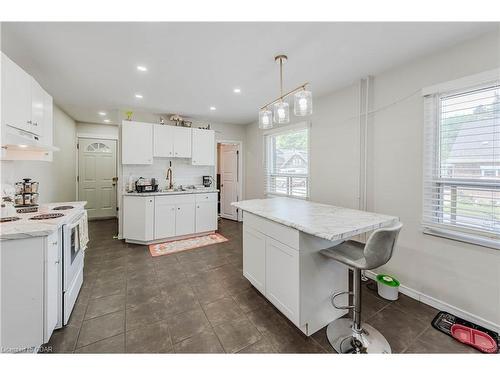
[(97, 176), (229, 179)]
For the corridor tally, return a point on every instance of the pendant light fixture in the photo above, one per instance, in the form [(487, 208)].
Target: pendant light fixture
[(280, 113)]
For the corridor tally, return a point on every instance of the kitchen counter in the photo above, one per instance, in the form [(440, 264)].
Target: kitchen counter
[(189, 191), (321, 220), (26, 228)]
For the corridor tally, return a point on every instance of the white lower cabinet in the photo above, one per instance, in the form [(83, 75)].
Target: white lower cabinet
[(138, 218), (53, 283), (184, 219), (164, 218), (157, 217), (286, 266), (254, 258), (29, 292), (282, 278)]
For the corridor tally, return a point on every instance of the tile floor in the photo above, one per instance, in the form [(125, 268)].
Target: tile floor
[(198, 301)]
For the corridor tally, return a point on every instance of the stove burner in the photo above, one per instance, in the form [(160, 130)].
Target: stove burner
[(60, 208), (10, 218), (46, 216)]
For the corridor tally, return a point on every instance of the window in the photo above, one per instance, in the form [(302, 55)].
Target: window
[(98, 147), (287, 162), (462, 161)]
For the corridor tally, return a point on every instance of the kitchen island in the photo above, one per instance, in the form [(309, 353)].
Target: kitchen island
[(282, 238)]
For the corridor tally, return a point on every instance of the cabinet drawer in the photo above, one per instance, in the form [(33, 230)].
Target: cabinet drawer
[(175, 199), (279, 232), (210, 197)]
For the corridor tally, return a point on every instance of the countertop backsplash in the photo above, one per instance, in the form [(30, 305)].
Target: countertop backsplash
[(184, 172)]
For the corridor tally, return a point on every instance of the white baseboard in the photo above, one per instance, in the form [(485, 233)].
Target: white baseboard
[(441, 305)]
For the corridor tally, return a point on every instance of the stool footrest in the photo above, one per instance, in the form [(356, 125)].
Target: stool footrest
[(341, 307)]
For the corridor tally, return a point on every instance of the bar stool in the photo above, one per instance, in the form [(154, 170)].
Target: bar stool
[(346, 335)]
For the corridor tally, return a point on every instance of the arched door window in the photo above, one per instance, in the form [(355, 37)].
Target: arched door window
[(98, 147)]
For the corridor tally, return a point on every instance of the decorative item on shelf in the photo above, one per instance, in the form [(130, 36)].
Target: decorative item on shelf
[(177, 119), (186, 124), (129, 115), (162, 120), (278, 111)]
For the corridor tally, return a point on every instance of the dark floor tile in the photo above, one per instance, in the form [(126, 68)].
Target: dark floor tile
[(433, 341), (100, 328), (237, 334), (415, 308), (205, 342), (187, 324), (154, 338), (63, 340), (210, 292), (115, 344), (141, 295), (179, 298), (104, 305), (321, 338), (146, 313), (78, 314), (250, 299), (262, 346), (109, 289), (224, 310), (399, 328), (267, 320)]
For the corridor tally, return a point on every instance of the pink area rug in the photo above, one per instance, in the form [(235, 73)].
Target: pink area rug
[(176, 246)]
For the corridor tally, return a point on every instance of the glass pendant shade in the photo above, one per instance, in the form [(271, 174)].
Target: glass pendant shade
[(302, 105), (281, 113), (265, 119)]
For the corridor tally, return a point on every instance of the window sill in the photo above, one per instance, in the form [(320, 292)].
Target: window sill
[(268, 194), (462, 237)]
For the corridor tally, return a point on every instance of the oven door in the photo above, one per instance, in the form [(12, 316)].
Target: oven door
[(73, 267)]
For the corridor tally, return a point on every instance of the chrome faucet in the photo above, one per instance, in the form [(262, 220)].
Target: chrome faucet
[(170, 177)]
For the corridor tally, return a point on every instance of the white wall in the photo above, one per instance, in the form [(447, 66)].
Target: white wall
[(56, 178), (462, 275), (97, 130)]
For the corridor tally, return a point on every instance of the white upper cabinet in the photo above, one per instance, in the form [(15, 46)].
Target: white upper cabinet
[(137, 142), (171, 141), (203, 143), (16, 96), (37, 108), (163, 141), (182, 142)]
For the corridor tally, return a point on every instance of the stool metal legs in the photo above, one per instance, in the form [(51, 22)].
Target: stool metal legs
[(349, 336)]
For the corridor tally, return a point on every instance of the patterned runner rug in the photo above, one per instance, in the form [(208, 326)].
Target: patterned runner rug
[(186, 244)]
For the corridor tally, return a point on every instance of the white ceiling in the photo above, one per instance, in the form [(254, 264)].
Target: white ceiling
[(89, 67)]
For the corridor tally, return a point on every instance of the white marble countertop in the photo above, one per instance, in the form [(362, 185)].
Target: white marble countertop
[(320, 220), (188, 191), (26, 228)]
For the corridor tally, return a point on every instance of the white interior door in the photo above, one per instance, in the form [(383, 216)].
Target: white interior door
[(229, 180), (96, 172)]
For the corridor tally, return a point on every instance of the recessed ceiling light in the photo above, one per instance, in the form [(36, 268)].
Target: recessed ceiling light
[(138, 96), (102, 113), (23, 146), (142, 68), (107, 120), (237, 90), (213, 108)]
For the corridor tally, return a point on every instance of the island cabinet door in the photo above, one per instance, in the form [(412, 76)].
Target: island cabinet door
[(282, 278), (164, 218), (254, 258)]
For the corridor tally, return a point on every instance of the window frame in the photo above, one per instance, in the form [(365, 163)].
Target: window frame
[(280, 131), (432, 110)]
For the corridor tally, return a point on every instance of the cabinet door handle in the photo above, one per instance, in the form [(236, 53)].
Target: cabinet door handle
[(178, 208), (197, 206), (57, 261), (54, 243), (35, 123), (29, 121)]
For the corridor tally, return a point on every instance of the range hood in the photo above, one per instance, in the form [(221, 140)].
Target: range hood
[(20, 140)]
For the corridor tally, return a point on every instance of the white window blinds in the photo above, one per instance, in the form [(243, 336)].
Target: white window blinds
[(287, 162), (462, 161)]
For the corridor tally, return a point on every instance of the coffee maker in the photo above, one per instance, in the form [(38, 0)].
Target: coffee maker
[(207, 181)]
